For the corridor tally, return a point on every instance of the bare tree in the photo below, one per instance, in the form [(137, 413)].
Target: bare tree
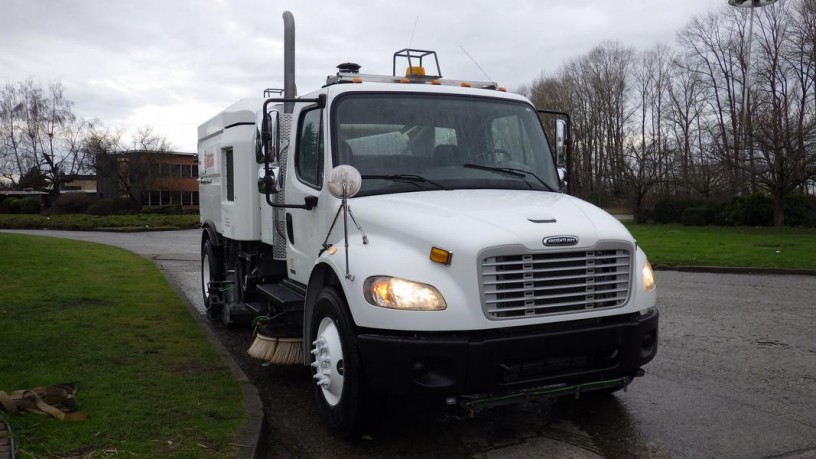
[(784, 125), (713, 43), (648, 155), (40, 132), (126, 167)]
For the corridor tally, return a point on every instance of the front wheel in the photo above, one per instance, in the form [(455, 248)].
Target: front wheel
[(336, 365)]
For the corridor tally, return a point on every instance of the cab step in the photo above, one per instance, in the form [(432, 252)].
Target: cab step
[(287, 295)]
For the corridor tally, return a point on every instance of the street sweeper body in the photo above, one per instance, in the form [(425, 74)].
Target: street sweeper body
[(409, 234)]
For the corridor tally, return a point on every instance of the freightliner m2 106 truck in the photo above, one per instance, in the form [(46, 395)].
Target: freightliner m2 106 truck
[(410, 234)]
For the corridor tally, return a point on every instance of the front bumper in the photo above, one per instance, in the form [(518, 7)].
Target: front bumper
[(494, 361)]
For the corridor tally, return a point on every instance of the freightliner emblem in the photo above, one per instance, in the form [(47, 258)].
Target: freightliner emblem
[(560, 241)]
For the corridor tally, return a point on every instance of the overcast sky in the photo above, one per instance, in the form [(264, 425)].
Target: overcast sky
[(172, 64)]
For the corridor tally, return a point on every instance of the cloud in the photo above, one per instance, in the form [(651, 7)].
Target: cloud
[(173, 65)]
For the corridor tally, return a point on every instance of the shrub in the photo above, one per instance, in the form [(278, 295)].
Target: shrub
[(73, 203), (667, 210), (800, 210), (670, 210), (103, 207), (695, 216), (10, 205), (172, 209), (118, 206), (29, 206), (758, 210)]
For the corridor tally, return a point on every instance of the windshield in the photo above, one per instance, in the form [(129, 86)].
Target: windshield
[(416, 142)]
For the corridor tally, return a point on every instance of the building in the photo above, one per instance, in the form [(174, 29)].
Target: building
[(79, 182), (148, 178)]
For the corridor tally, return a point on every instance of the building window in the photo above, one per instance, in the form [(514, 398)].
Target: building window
[(175, 170), (186, 170)]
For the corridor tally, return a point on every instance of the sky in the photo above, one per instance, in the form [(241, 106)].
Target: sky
[(173, 64)]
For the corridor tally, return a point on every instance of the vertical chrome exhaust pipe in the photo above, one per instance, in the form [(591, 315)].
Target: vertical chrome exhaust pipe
[(289, 90)]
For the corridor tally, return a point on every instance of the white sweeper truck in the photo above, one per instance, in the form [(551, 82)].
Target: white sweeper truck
[(412, 234)]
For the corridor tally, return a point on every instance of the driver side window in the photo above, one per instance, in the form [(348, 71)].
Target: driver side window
[(309, 156)]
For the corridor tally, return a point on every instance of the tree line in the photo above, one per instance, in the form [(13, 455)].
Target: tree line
[(44, 143), (700, 118)]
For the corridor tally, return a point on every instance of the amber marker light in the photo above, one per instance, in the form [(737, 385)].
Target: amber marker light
[(404, 80), (436, 82), (356, 80), (464, 84), (502, 89), (441, 256)]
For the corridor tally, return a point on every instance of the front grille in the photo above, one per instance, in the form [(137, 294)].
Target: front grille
[(545, 283)]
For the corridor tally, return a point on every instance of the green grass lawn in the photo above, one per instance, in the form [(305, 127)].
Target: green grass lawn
[(150, 382), (76, 222), (675, 245)]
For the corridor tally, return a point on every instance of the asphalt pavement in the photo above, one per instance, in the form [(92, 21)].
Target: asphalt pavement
[(735, 376)]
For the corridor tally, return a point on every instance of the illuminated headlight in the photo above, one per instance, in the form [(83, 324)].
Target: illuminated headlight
[(395, 293), (648, 277)]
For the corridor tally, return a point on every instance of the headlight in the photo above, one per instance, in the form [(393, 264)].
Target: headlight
[(395, 293), (648, 277)]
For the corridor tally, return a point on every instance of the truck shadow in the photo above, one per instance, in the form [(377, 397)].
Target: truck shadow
[(426, 427)]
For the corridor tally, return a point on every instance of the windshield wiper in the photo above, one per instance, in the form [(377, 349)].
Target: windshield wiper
[(511, 171), (407, 178)]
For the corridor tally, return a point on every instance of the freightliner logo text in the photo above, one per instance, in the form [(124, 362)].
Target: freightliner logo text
[(560, 240)]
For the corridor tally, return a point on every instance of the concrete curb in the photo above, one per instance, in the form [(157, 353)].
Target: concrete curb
[(735, 270), (250, 441)]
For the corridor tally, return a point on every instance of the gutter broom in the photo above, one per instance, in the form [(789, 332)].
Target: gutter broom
[(276, 343)]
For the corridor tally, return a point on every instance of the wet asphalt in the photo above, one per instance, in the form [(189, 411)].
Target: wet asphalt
[(735, 376)]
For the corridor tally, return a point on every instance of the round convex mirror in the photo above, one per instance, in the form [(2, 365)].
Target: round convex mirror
[(344, 174)]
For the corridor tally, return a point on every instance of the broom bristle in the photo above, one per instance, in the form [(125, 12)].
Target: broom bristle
[(275, 350)]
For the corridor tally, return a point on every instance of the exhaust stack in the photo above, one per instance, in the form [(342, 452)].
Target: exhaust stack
[(289, 89)]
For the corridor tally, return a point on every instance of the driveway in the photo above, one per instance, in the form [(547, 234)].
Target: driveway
[(735, 376)]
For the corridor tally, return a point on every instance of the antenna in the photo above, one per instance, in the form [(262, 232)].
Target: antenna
[(477, 64), (413, 32)]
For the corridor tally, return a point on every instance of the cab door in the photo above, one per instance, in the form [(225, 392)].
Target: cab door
[(305, 229)]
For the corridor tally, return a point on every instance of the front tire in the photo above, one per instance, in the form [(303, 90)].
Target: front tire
[(336, 368)]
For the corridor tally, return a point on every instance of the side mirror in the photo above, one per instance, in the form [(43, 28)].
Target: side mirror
[(266, 136), (562, 176), (344, 181), (269, 180), (560, 136)]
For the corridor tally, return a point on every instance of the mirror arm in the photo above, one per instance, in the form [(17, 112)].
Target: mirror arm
[(309, 203)]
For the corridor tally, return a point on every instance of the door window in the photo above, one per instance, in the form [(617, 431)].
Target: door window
[(309, 157)]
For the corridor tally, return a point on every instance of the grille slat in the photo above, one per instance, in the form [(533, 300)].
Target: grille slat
[(554, 305), (504, 263), (552, 297), (554, 287), (537, 284), (551, 278), (550, 270)]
